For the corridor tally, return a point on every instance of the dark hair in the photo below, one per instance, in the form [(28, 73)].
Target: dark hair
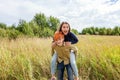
[(60, 28)]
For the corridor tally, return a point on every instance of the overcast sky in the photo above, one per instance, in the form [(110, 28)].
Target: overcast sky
[(79, 13)]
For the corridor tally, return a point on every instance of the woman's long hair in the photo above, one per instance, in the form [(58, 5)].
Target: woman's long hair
[(60, 28)]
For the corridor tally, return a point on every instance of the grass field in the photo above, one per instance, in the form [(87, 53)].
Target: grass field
[(29, 58)]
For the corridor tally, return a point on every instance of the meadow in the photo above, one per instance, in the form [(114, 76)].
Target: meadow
[(29, 58)]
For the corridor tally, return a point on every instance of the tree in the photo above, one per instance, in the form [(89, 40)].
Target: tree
[(2, 33), (96, 31), (24, 27), (35, 28), (3, 26), (75, 31), (47, 32), (12, 34), (102, 31), (84, 31), (109, 31), (116, 30), (41, 20), (53, 23), (12, 26), (90, 30)]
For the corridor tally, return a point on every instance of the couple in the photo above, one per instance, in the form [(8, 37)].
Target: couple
[(63, 53)]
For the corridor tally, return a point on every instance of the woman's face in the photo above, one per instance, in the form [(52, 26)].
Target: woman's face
[(65, 29)]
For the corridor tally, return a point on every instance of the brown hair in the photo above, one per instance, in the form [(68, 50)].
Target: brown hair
[(60, 28)]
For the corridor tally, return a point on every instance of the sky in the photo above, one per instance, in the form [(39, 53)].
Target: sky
[(78, 13)]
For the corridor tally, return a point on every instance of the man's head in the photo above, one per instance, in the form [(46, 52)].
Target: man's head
[(59, 38)]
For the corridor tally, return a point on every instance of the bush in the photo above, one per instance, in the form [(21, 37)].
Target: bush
[(12, 34)]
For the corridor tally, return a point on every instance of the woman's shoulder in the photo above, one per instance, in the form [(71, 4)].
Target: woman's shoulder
[(71, 34)]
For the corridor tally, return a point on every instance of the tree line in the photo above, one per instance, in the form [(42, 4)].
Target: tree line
[(101, 31), (39, 26), (42, 26)]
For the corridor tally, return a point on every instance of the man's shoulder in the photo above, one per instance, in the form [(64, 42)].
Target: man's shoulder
[(70, 46), (73, 46)]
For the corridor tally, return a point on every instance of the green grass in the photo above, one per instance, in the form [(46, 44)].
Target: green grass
[(29, 58)]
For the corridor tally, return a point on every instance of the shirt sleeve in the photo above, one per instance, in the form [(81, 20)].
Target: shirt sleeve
[(74, 39)]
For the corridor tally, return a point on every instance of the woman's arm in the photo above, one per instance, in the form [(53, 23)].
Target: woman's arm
[(74, 39), (70, 39), (67, 43), (53, 44)]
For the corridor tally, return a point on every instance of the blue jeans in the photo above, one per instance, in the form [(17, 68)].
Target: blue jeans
[(60, 68), (72, 62), (53, 63)]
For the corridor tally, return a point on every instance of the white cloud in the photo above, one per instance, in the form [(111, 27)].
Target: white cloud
[(79, 13)]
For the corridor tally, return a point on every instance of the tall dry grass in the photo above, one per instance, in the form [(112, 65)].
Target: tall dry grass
[(25, 59), (29, 58), (99, 57)]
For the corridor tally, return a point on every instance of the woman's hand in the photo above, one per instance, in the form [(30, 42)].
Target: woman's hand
[(53, 44), (67, 43)]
